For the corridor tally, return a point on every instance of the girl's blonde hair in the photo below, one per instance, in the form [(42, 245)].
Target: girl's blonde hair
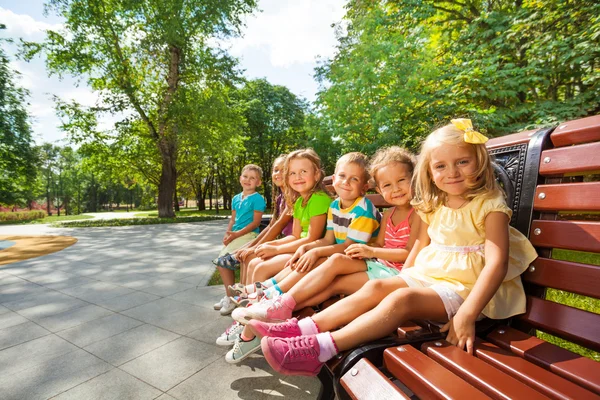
[(426, 195), (290, 194), (392, 154), (276, 189)]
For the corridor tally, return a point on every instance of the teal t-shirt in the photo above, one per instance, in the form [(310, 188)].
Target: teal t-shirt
[(317, 204), (244, 209)]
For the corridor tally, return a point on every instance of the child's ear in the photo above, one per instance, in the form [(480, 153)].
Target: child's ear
[(365, 188), (377, 189)]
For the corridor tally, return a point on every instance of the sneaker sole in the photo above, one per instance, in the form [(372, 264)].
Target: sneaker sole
[(248, 354), (224, 342), (275, 365), (226, 312)]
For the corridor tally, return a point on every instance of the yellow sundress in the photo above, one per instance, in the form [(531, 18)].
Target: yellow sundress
[(455, 256)]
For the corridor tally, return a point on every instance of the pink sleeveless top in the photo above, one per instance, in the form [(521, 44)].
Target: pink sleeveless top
[(396, 237)]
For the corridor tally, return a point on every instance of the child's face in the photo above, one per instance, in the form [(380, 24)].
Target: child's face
[(302, 176), (451, 167), (349, 182), (277, 175), (249, 180), (393, 183)]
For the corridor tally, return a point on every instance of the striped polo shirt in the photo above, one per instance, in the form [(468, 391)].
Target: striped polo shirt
[(358, 222)]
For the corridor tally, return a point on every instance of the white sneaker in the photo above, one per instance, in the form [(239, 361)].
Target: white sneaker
[(230, 335), (228, 306), (219, 305), (242, 350)]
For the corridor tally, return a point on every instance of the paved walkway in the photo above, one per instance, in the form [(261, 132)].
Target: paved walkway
[(125, 314)]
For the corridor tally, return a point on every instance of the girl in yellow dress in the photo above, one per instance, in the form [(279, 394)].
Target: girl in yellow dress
[(459, 270)]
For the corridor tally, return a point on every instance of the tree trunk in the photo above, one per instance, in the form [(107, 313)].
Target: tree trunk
[(175, 200), (168, 178)]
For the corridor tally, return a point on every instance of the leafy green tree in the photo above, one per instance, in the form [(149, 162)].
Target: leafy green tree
[(140, 55), (18, 158)]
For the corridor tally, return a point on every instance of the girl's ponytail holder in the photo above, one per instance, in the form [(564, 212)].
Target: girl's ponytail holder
[(471, 135)]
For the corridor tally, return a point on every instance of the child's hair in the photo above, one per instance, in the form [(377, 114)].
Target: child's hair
[(355, 158), (276, 191), (290, 194), (426, 196), (388, 155), (253, 167)]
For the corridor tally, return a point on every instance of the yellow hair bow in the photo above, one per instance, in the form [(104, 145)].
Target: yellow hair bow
[(471, 135)]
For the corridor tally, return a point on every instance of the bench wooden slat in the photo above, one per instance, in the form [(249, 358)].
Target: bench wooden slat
[(365, 382), (582, 130), (409, 328), (530, 374), (571, 366), (568, 197), (567, 322), (510, 140), (564, 275), (573, 235), (481, 375), (575, 160), (426, 378)]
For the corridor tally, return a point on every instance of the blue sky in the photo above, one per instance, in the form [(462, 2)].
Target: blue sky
[(281, 43)]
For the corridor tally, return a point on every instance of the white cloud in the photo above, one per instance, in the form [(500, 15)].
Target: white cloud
[(292, 31), (22, 25)]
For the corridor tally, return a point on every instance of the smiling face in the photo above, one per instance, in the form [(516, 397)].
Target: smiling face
[(249, 180), (277, 174), (452, 168), (393, 183), (302, 175), (349, 183)]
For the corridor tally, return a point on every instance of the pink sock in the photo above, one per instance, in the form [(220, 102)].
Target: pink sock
[(307, 326), (244, 338), (327, 345), (288, 301)]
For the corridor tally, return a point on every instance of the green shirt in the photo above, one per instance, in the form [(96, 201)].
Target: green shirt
[(318, 204)]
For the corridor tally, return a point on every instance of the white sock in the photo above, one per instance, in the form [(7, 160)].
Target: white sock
[(250, 288), (328, 349), (269, 282), (307, 326)]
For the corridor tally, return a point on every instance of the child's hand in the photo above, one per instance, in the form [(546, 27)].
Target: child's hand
[(306, 262), (242, 254), (227, 239), (357, 250), (297, 254), (461, 332), (266, 251)]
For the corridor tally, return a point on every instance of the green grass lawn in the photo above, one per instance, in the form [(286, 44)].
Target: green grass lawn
[(186, 212), (48, 220), (95, 223), (215, 279)]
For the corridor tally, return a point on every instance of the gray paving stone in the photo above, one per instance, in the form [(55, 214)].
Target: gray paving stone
[(99, 329), (51, 306), (172, 363), (25, 355), (165, 397), (198, 296), (49, 277), (209, 332), (166, 287), (52, 376), (122, 303), (160, 307), (10, 279), (4, 310), (250, 379), (11, 319), (33, 300), (71, 318), (297, 387), (113, 385), (73, 282), (188, 319), (128, 345), (97, 291), (20, 333), (16, 291)]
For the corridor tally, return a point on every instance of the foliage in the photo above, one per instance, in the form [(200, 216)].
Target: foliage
[(133, 221), (21, 215), (18, 158), (143, 59)]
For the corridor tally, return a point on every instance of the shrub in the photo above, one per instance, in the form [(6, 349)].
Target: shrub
[(22, 215)]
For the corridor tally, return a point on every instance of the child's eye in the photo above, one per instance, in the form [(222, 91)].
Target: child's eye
[(463, 162), (439, 166)]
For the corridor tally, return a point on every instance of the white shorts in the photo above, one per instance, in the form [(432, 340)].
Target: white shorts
[(452, 301)]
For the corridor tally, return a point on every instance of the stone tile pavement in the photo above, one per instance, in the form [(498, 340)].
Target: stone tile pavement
[(125, 314)]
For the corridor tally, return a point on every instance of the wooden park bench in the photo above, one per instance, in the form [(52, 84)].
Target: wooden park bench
[(549, 177)]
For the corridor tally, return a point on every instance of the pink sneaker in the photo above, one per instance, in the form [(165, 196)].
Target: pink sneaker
[(285, 329), (271, 311), (293, 356)]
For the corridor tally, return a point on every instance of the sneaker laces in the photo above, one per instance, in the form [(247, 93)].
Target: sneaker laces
[(231, 327), (276, 304), (301, 346), (283, 326)]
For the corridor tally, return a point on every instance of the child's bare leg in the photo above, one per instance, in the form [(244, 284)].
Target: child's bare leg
[(320, 278), (351, 307), (293, 277), (270, 267), (400, 306), (228, 278), (250, 270), (244, 276), (343, 284), (281, 275)]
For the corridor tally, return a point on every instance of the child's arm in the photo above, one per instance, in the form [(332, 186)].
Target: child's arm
[(268, 234), (227, 237), (461, 329), (257, 217), (307, 255), (270, 249), (421, 241)]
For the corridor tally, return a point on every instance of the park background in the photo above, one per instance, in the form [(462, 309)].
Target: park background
[(175, 117)]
